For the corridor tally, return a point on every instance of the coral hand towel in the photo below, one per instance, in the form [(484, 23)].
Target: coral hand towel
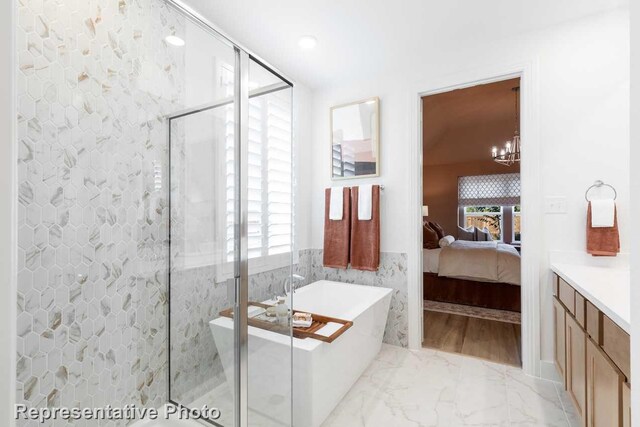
[(603, 241), (336, 232), (365, 234)]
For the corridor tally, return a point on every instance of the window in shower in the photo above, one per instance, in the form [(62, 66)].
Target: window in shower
[(270, 197)]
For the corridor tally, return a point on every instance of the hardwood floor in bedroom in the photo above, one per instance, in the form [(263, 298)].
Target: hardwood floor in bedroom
[(486, 339)]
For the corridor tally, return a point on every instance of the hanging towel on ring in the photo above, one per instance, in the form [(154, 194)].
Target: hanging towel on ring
[(602, 241), (603, 213)]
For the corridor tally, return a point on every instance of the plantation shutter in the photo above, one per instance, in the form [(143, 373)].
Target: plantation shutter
[(279, 168), (255, 177), (228, 84), (269, 177)]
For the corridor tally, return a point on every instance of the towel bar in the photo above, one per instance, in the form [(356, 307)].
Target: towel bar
[(599, 184)]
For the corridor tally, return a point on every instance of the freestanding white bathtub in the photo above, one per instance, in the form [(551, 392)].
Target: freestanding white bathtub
[(322, 372)]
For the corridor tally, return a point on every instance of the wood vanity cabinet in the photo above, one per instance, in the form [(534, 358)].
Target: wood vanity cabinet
[(559, 315), (604, 389), (626, 405), (576, 380), (592, 357)]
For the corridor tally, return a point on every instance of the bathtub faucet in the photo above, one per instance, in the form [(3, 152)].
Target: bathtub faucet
[(291, 283)]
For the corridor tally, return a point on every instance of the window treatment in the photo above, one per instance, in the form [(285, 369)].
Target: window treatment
[(270, 196), (489, 190)]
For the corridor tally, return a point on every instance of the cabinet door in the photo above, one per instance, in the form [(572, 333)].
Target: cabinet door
[(626, 405), (576, 366), (559, 315), (604, 389)]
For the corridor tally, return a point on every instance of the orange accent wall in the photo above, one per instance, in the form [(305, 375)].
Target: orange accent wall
[(459, 129)]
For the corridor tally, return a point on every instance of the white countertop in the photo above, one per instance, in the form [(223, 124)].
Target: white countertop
[(606, 288)]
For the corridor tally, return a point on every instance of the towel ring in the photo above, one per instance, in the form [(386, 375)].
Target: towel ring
[(599, 184)]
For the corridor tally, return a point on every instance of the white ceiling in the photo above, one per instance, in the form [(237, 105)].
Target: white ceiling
[(375, 37)]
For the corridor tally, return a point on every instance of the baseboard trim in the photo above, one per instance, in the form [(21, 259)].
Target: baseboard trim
[(549, 372)]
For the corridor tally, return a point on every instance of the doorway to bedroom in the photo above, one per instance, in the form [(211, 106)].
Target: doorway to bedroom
[(472, 221)]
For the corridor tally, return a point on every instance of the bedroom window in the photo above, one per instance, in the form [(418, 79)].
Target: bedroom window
[(516, 224), (489, 217), (491, 201)]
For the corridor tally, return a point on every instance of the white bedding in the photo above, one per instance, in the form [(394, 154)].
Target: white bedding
[(480, 261), (430, 260)]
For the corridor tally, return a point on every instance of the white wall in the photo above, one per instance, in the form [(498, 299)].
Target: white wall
[(393, 169), (635, 206), (583, 80), (7, 214)]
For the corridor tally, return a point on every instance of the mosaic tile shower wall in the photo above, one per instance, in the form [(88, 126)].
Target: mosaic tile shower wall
[(95, 80)]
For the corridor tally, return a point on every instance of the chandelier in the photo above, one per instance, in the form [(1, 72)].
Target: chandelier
[(510, 154)]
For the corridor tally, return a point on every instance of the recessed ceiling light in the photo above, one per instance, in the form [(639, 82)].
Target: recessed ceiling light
[(307, 42), (174, 40)]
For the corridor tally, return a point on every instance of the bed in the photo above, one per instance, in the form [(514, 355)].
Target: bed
[(482, 274)]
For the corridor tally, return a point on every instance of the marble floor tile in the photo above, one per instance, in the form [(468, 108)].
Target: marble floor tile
[(424, 388), (533, 402), (567, 404), (432, 388)]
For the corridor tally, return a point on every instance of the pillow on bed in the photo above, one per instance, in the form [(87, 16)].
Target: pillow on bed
[(436, 227), (446, 241), (467, 233), (483, 235), (429, 237)]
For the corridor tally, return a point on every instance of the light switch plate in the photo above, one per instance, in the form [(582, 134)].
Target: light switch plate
[(555, 205)]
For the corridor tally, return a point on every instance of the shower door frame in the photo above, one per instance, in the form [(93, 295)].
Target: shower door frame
[(240, 99)]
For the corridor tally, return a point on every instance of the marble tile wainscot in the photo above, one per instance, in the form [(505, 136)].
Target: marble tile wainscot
[(391, 274)]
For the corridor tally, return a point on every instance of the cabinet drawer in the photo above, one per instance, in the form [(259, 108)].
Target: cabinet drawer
[(567, 296), (617, 345), (593, 322), (580, 310), (554, 285)]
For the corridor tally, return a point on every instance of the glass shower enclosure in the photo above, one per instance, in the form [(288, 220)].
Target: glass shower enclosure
[(230, 232)]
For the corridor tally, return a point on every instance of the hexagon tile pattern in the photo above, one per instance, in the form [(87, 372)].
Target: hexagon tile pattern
[(92, 301)]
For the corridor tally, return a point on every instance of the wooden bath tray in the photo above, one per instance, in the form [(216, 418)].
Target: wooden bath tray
[(318, 322)]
